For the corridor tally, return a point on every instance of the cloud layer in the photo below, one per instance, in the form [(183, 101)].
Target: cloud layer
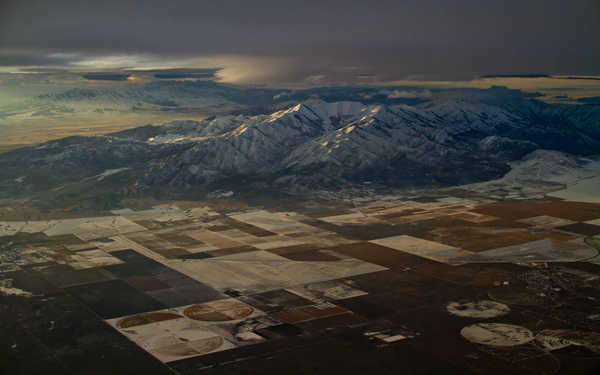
[(333, 40)]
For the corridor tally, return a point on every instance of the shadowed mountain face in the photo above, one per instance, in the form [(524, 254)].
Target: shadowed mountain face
[(314, 145)]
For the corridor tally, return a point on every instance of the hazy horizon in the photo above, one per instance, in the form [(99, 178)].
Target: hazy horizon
[(311, 42)]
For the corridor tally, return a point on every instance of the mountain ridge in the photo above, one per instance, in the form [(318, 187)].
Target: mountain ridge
[(315, 144)]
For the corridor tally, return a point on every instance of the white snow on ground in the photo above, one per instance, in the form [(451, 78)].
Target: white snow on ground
[(587, 190), (552, 173), (92, 226), (86, 229), (7, 288), (321, 110), (233, 126), (554, 166), (109, 172)]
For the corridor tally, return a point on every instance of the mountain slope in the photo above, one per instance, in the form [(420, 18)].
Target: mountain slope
[(315, 145)]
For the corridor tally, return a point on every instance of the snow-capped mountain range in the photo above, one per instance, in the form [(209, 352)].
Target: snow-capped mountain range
[(315, 144)]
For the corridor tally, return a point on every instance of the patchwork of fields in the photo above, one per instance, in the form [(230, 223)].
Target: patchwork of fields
[(469, 284)]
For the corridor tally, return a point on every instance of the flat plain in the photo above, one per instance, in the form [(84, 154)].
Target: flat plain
[(451, 284)]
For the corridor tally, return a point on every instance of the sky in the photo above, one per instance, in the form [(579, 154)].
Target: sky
[(262, 41)]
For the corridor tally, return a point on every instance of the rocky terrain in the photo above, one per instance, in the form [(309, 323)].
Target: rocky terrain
[(312, 145)]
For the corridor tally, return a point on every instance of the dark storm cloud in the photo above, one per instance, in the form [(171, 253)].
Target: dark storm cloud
[(31, 58), (392, 39), (184, 73), (105, 76)]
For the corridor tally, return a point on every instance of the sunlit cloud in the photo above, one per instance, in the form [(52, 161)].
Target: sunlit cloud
[(291, 71), (550, 87), (112, 62)]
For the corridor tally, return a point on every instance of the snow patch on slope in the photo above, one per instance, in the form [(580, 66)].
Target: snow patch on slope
[(109, 172), (7, 288), (554, 166), (545, 172)]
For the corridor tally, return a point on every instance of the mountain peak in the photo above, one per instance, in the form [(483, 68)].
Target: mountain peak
[(325, 144)]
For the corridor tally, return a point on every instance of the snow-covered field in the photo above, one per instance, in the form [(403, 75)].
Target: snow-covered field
[(587, 190), (550, 173)]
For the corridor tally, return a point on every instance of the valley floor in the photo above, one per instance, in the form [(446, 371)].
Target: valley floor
[(452, 284)]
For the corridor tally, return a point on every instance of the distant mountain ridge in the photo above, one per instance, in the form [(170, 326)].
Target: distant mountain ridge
[(316, 145)]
